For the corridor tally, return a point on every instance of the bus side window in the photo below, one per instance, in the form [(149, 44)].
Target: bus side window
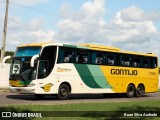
[(110, 60), (135, 64), (66, 59), (135, 61), (65, 55), (153, 62), (97, 58), (125, 61), (82, 59), (145, 63), (68, 56), (82, 56)]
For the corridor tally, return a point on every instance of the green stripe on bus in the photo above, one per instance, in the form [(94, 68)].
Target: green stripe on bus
[(86, 75), (25, 82), (75, 46), (68, 45), (98, 76)]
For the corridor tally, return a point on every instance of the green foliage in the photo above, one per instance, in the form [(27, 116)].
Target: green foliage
[(9, 53)]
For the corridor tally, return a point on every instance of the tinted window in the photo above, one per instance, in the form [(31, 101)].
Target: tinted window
[(110, 59), (66, 55), (136, 61), (82, 56), (153, 62), (145, 62), (47, 61), (125, 61), (97, 58)]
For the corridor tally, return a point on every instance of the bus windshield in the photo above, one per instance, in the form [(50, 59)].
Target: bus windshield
[(21, 70), (20, 67), (27, 51)]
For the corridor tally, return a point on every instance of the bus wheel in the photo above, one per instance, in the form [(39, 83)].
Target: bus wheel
[(63, 92), (130, 91), (139, 91), (39, 96)]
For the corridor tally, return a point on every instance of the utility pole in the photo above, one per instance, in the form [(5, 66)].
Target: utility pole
[(4, 32)]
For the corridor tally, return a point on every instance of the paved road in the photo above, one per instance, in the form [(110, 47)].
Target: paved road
[(7, 98)]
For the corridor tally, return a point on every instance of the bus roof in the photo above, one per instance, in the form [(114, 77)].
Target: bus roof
[(35, 44), (100, 47), (113, 49), (88, 46)]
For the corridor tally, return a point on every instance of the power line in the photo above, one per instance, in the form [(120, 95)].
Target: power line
[(77, 20)]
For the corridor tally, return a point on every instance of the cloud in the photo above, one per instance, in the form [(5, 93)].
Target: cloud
[(134, 25), (20, 32), (136, 14), (129, 29), (95, 7), (36, 24), (126, 30), (132, 13), (90, 12), (14, 23)]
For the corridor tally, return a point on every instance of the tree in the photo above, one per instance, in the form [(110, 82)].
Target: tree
[(8, 53)]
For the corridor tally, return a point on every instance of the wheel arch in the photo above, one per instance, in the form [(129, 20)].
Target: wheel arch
[(131, 84), (68, 84)]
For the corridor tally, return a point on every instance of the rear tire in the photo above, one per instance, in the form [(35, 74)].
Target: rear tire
[(63, 92), (139, 91), (130, 91)]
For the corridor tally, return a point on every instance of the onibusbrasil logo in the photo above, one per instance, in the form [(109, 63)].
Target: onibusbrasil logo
[(21, 114)]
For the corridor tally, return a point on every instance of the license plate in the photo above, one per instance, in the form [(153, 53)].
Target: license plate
[(18, 90)]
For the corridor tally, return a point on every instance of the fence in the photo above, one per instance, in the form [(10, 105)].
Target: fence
[(4, 75)]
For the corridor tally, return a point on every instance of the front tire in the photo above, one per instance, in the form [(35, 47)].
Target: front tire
[(130, 91), (139, 91), (63, 92)]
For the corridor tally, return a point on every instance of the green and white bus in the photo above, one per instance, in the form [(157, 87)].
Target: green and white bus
[(62, 69)]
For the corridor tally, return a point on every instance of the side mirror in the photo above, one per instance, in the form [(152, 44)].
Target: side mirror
[(33, 59), (4, 60)]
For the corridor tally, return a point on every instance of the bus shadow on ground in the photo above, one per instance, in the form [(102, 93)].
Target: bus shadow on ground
[(72, 97)]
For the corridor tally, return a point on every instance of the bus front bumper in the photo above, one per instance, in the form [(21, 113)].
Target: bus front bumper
[(29, 90)]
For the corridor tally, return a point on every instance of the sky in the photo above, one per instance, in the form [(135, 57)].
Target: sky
[(132, 25)]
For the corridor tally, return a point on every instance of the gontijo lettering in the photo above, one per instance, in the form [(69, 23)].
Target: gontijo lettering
[(124, 72)]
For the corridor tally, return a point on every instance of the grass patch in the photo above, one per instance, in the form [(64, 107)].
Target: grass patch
[(111, 106), (117, 108)]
